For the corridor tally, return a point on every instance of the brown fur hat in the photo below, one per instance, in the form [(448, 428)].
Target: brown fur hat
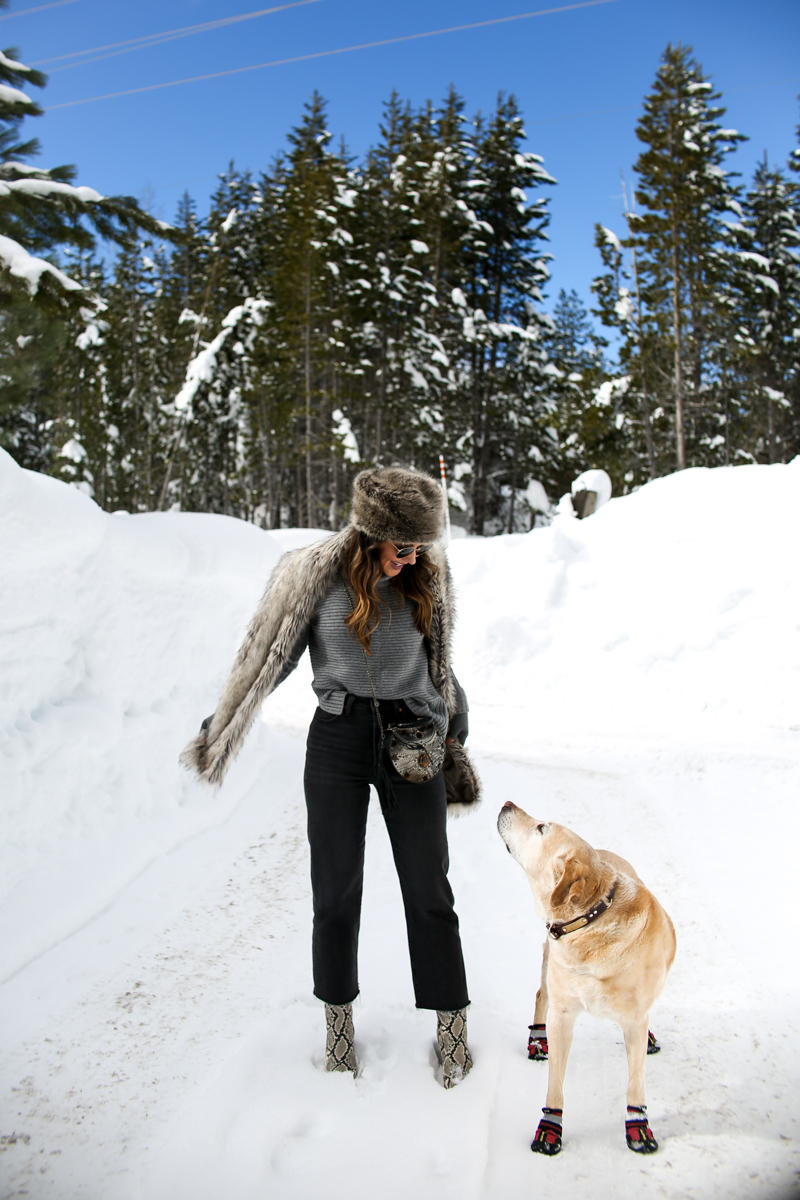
[(391, 504)]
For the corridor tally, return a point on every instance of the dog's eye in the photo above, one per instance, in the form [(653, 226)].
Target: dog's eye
[(540, 829)]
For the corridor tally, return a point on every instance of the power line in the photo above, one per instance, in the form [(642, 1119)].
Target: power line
[(156, 39), (281, 62), (39, 8)]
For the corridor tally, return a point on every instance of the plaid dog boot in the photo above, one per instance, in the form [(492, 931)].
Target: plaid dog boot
[(537, 1043), (547, 1139), (638, 1133), (451, 1046), (652, 1045), (340, 1052)]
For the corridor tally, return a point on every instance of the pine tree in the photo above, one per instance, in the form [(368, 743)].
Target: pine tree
[(794, 157), (643, 429), (767, 311), (43, 214), (405, 207), (504, 272), (305, 318), (583, 408), (683, 193), (216, 273), (41, 209)]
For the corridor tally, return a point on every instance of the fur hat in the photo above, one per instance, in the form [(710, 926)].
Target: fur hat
[(391, 504)]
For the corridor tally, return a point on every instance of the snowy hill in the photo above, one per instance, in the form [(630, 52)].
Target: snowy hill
[(635, 675)]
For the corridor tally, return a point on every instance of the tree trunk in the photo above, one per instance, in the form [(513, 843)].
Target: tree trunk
[(478, 451), (676, 323), (648, 427), (676, 333), (511, 502), (307, 340)]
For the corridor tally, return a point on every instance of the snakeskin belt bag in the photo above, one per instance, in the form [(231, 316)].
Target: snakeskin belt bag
[(416, 750)]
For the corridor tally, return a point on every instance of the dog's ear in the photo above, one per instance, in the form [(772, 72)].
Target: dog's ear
[(573, 885)]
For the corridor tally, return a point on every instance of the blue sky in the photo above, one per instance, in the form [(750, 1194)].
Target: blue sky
[(579, 75)]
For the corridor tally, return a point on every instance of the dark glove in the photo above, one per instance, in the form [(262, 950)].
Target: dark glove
[(459, 727)]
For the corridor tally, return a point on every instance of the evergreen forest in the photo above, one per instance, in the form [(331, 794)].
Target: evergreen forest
[(327, 315)]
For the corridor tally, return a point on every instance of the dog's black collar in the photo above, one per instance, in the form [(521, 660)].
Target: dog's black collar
[(557, 929)]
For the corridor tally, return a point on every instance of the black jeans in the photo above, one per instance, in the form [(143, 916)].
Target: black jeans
[(341, 763)]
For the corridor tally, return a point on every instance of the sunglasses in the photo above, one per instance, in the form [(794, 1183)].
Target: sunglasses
[(407, 551)]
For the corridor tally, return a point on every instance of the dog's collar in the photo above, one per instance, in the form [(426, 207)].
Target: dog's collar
[(557, 929)]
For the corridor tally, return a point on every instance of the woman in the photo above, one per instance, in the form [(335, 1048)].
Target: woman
[(374, 606)]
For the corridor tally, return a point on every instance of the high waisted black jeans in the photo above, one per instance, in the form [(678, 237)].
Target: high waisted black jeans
[(341, 763)]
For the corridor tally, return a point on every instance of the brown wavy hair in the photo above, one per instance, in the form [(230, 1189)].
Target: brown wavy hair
[(362, 571)]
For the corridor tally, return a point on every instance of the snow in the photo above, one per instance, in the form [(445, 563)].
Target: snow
[(624, 306), (11, 168), (634, 675), (596, 481), (344, 432), (26, 266), (12, 65), (73, 451), (612, 239), (89, 337), (536, 497), (202, 368), (11, 95), (751, 256), (49, 187)]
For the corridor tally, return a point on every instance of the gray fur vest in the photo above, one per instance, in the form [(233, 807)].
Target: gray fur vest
[(299, 582)]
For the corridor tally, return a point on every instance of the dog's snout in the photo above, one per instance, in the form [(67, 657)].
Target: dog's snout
[(505, 821)]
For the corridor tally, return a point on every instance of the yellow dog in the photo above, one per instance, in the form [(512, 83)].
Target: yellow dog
[(610, 946)]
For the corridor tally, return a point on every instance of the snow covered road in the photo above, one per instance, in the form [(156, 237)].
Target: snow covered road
[(171, 1049), (160, 1041)]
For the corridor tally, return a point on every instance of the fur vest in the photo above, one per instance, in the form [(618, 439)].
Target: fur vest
[(297, 585)]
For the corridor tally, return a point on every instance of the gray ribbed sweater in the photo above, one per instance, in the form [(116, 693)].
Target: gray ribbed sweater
[(398, 660)]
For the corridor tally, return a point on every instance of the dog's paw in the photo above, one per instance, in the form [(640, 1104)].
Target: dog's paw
[(638, 1133), (537, 1043), (547, 1139), (652, 1045)]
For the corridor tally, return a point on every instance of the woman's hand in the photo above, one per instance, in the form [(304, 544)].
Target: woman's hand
[(458, 728)]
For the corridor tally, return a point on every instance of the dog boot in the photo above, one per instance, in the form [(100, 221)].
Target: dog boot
[(451, 1046), (652, 1045), (638, 1133), (537, 1043), (340, 1053), (547, 1139)]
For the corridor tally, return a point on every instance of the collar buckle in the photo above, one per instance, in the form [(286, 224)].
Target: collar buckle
[(557, 929)]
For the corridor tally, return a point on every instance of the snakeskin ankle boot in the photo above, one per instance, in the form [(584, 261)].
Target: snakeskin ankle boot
[(452, 1048), (340, 1052)]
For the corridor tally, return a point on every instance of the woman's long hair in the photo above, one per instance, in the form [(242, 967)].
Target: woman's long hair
[(363, 572)]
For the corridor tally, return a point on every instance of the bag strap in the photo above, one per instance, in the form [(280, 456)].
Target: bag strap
[(366, 667)]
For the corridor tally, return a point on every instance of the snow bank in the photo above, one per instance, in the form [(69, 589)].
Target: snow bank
[(116, 633), (674, 605), (672, 608), (634, 675)]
